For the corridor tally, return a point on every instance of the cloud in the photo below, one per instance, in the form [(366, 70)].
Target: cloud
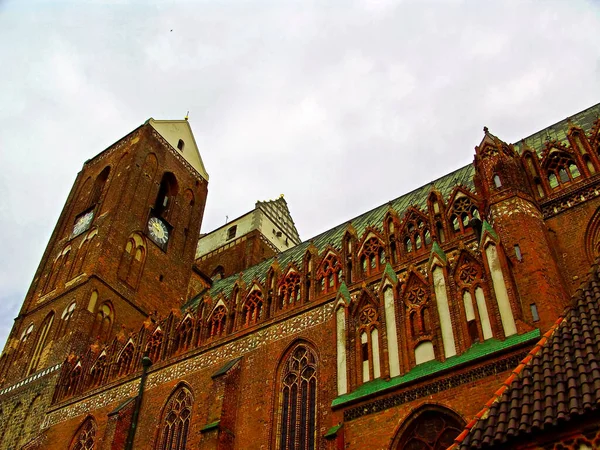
[(341, 106)]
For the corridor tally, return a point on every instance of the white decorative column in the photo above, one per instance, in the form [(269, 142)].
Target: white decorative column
[(443, 308), (506, 315), (390, 328), (342, 382)]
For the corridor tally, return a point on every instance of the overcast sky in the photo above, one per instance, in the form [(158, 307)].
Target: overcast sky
[(341, 106)]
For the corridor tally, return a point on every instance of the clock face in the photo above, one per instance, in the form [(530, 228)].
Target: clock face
[(158, 231), (82, 223)]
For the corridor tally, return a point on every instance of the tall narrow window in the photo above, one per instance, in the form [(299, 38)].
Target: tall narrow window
[(66, 318), (103, 323), (297, 422), (85, 437), (154, 346), (289, 290), (98, 187), (369, 343), (231, 232), (132, 260), (40, 344), (23, 341), (180, 145), (124, 360), (497, 181), (166, 195), (175, 422)]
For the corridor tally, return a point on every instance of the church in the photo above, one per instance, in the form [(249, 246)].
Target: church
[(464, 314)]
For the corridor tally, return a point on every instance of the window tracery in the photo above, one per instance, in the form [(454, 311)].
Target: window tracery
[(416, 234), (368, 330), (217, 321), (560, 168), (154, 345), (98, 371), (125, 359), (469, 281), (85, 437), (184, 335), (463, 211), (252, 310), (298, 401), (372, 257), (330, 274), (430, 430), (289, 290), (175, 423)]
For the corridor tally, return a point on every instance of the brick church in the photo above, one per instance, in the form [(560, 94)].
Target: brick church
[(463, 314)]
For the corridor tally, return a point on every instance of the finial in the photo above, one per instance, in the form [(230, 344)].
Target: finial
[(280, 195), (187, 116), (485, 129)]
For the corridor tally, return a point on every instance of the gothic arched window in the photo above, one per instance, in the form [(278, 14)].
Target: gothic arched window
[(85, 437), (184, 335), (24, 338), (98, 371), (154, 345), (561, 168), (166, 196), (330, 274), (98, 187), (66, 318), (372, 257), (40, 343), (368, 333), (252, 310), (289, 290), (132, 260), (297, 418), (175, 421), (429, 429), (124, 360), (463, 211), (217, 321), (103, 322)]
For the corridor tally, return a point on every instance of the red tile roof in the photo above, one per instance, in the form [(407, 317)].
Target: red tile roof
[(559, 379)]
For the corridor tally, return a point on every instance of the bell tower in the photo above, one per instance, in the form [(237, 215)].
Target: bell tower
[(121, 252)]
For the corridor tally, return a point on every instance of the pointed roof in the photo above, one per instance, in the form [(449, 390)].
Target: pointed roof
[(437, 250), (344, 293), (389, 271), (277, 210), (558, 381), (175, 130)]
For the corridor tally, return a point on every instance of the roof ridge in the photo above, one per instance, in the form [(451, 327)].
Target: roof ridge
[(515, 374)]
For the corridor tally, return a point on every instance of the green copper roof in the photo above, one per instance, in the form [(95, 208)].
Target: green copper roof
[(390, 272), (479, 350), (332, 432), (558, 132), (344, 293), (437, 250), (374, 218), (486, 227)]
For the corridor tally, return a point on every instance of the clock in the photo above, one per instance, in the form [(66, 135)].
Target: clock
[(82, 223), (158, 231)]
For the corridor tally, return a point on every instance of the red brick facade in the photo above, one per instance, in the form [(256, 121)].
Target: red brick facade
[(413, 313)]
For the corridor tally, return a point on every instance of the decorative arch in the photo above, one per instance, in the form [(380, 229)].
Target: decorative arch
[(154, 345), (560, 167), (58, 269), (103, 321), (125, 359), (297, 398), (167, 192), (592, 237), (82, 252), (175, 419), (85, 436), (252, 309), (184, 334), (329, 274), (462, 211), (416, 235), (431, 427), (289, 290), (217, 321), (372, 255), (41, 341), (368, 323), (132, 260), (66, 318), (98, 371)]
